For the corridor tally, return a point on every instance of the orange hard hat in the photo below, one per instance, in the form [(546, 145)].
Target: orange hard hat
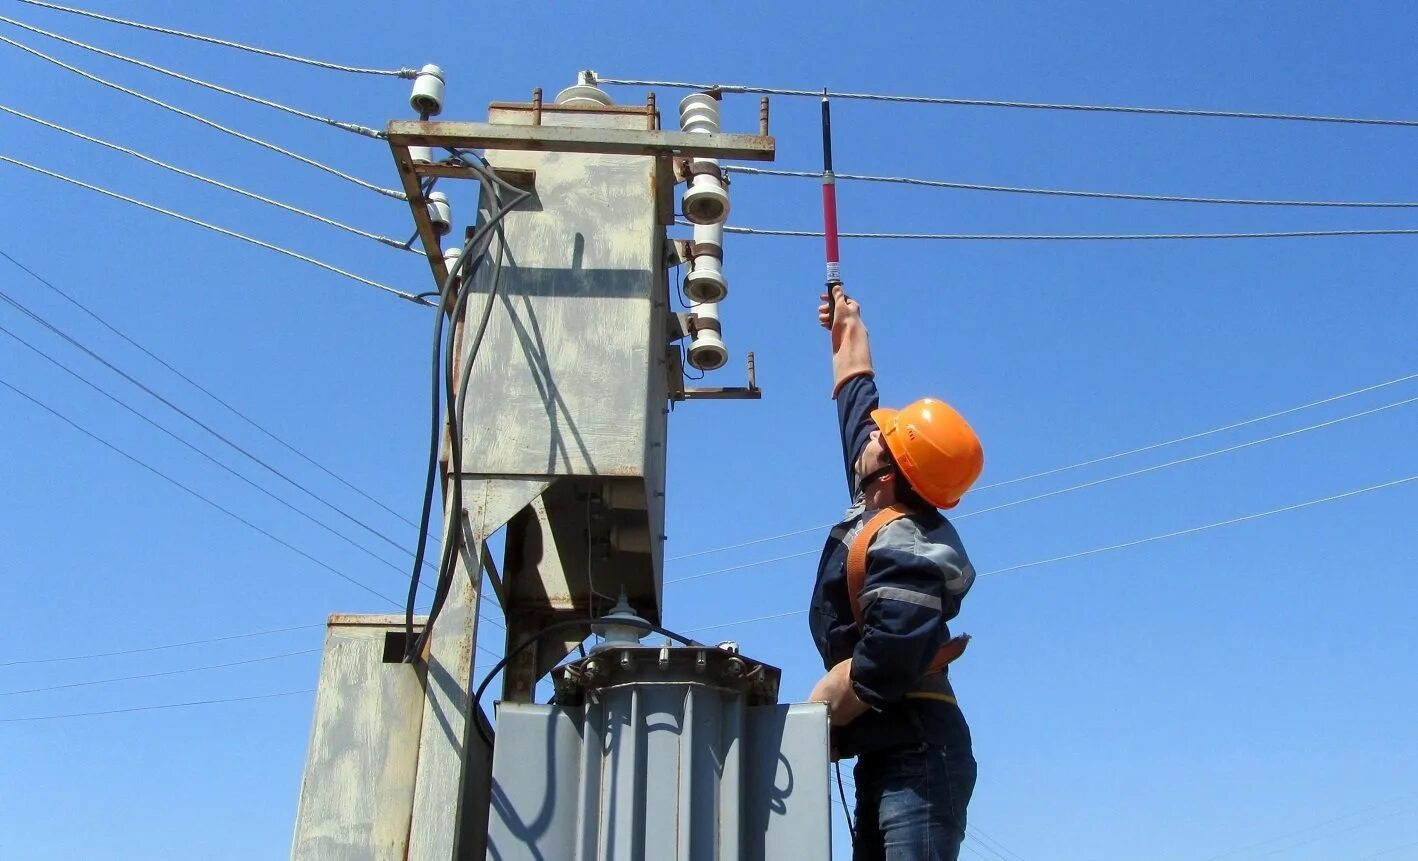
[(935, 449)]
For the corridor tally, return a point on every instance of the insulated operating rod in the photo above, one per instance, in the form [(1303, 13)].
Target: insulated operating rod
[(829, 199)]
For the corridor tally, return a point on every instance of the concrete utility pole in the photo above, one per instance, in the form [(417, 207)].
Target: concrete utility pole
[(649, 751)]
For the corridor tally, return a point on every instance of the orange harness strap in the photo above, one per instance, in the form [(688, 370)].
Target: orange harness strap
[(857, 578)]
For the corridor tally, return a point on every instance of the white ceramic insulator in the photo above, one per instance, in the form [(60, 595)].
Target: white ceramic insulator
[(705, 281), (421, 154), (584, 94), (451, 255), (707, 351), (440, 213), (427, 97), (706, 201)]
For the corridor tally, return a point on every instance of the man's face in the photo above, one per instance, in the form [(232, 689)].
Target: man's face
[(873, 456)]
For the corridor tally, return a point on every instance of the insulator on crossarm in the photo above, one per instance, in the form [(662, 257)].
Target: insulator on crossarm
[(705, 281), (451, 255), (706, 201), (427, 97), (585, 93), (440, 213), (706, 346)]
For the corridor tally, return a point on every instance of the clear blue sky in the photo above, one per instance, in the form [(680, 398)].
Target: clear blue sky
[(1243, 692)]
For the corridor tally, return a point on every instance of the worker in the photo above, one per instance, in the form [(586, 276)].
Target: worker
[(892, 574)]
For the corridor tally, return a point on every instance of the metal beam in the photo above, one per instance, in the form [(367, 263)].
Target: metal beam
[(602, 141)]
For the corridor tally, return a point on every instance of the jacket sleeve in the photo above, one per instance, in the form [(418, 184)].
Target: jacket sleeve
[(912, 587), (855, 401)]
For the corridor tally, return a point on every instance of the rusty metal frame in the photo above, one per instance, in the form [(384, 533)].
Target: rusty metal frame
[(662, 145)]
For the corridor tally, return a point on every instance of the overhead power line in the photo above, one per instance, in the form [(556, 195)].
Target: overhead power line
[(157, 707), (180, 672), (163, 647), (251, 195), (1107, 549), (222, 230), (74, 342), (1056, 192), (333, 171), (203, 389), (996, 103), (199, 496), (306, 115), (211, 40), (1072, 488), (1195, 529), (264, 632), (1071, 237), (1188, 459), (1077, 465), (1209, 432), (188, 445)]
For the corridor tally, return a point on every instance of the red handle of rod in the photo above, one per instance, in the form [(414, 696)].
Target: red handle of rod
[(829, 222)]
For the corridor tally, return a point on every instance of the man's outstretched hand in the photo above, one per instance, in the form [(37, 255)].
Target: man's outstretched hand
[(845, 308)]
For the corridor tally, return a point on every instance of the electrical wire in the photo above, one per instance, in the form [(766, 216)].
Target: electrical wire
[(333, 171), (557, 627), (842, 792), (222, 230), (992, 844), (250, 195), (737, 622), (211, 40), (203, 389), (158, 707), (1203, 528), (799, 555), (1075, 237), (306, 115), (1109, 548), (1089, 462), (1208, 432), (180, 672), (179, 485), (750, 543), (263, 490), (164, 646), (457, 286), (995, 103), (202, 642), (10, 300), (1189, 459), (1056, 192)]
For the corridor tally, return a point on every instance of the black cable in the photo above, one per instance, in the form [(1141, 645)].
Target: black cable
[(634, 622), (432, 471), (481, 241), (842, 792)]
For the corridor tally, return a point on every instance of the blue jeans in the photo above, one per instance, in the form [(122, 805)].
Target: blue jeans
[(911, 803)]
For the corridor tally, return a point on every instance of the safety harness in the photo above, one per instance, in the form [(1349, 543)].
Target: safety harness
[(856, 580)]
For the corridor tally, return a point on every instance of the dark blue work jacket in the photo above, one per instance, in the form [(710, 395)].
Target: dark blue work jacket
[(917, 574)]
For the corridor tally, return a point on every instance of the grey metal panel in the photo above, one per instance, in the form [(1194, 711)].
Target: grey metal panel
[(535, 783), (660, 771), (788, 795), (357, 794), (558, 388)]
